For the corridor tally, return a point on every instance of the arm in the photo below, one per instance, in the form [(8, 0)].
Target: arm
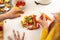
[(55, 31), (13, 13), (44, 24)]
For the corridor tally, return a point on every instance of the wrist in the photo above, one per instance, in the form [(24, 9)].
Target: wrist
[(6, 15), (45, 28), (3, 17)]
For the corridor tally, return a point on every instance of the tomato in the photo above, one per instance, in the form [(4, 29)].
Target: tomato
[(23, 3), (27, 24), (20, 3)]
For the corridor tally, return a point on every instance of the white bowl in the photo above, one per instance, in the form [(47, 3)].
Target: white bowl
[(43, 1)]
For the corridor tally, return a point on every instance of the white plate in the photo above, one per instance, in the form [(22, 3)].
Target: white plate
[(5, 8), (31, 8), (2, 5)]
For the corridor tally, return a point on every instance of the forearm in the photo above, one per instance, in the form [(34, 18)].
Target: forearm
[(3, 17)]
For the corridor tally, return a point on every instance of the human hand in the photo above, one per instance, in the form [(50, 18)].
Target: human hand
[(44, 22), (14, 13), (57, 17), (16, 36)]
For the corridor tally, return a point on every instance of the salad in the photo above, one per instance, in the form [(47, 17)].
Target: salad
[(30, 22)]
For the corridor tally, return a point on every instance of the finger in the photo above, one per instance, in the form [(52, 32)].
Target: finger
[(21, 12), (15, 36), (18, 35), (17, 15), (9, 38), (55, 16), (40, 20), (23, 36), (44, 17)]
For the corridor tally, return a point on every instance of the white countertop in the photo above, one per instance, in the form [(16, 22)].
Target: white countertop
[(31, 8)]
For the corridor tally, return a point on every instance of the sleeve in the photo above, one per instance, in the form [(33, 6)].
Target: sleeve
[(49, 35), (44, 34), (52, 33)]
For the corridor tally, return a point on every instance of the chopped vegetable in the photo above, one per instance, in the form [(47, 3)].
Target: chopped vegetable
[(8, 5), (2, 10), (7, 1), (20, 3), (47, 17), (30, 22)]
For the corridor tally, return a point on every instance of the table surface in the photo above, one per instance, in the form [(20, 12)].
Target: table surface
[(31, 8)]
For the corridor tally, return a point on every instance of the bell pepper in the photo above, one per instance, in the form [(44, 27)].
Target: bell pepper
[(47, 18)]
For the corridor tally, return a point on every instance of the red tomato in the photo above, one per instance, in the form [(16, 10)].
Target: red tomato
[(27, 24), (17, 4), (23, 3), (20, 3)]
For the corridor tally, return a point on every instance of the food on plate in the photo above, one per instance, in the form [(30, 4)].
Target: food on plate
[(5, 7), (8, 5), (47, 17), (20, 3), (7, 1), (2, 10), (30, 22), (1, 1)]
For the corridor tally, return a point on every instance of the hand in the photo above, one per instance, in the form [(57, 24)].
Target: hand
[(16, 36), (57, 17), (14, 13), (43, 22)]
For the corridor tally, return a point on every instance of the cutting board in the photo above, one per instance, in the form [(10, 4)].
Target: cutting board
[(30, 8)]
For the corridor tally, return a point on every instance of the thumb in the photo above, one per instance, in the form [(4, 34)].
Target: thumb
[(19, 10), (17, 15)]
